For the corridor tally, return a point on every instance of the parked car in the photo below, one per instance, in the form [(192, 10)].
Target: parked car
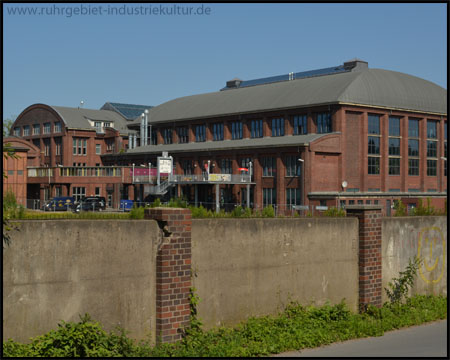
[(91, 203), (60, 203)]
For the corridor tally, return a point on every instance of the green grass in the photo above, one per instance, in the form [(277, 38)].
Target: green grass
[(297, 327)]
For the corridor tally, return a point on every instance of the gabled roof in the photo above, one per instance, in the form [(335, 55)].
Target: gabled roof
[(371, 87), (265, 142), (128, 111), (77, 118)]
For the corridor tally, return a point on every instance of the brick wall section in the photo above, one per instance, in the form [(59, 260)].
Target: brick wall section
[(370, 266), (173, 272)]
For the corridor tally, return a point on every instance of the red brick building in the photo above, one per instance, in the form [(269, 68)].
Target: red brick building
[(338, 136), (70, 142)]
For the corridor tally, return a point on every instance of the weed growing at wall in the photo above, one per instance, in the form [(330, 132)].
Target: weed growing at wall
[(296, 327), (400, 286), (400, 208), (334, 212)]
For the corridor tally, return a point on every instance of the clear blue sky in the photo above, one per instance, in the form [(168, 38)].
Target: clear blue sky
[(150, 59)]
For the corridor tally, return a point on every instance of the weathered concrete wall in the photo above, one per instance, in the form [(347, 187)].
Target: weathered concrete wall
[(407, 237), (251, 267), (57, 270)]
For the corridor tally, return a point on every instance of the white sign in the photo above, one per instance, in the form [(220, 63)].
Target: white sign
[(165, 166)]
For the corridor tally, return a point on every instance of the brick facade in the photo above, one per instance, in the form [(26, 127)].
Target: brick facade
[(370, 256), (173, 272)]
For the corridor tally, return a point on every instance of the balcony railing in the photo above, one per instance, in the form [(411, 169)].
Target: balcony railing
[(107, 171)]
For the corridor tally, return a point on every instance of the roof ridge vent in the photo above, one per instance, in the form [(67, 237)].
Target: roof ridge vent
[(356, 65)]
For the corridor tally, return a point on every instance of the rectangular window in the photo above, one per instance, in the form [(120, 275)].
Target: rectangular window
[(269, 166), (26, 130), (200, 133), (413, 148), (323, 121), (299, 122), (153, 137), (47, 147), (57, 146), (188, 167), (226, 166), (110, 145), (269, 196), (98, 149), (167, 135), (431, 129), (293, 197), (236, 130), (413, 128), (84, 146), (36, 129), (218, 131), (431, 167), (374, 145), (394, 166), (78, 192), (373, 165), (394, 126), (374, 124), (431, 148), (97, 191), (394, 146), (16, 131), (293, 166), (278, 127), (57, 127), (74, 146), (183, 135), (46, 129), (256, 130), (413, 167)]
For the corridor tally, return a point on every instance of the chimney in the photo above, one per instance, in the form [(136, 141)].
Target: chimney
[(234, 83), (356, 65)]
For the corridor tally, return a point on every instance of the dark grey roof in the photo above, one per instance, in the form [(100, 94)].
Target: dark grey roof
[(128, 111), (77, 118), (372, 87), (266, 142)]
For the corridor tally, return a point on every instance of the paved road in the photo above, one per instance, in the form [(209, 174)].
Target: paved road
[(418, 341)]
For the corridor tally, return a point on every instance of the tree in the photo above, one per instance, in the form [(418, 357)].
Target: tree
[(8, 152), (7, 125)]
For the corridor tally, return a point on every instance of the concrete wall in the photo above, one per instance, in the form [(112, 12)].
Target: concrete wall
[(57, 270), (255, 266), (407, 237)]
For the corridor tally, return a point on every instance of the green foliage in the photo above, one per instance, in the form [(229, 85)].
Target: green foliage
[(11, 210), (297, 327), (178, 203), (427, 210), (334, 212), (268, 211), (399, 287), (7, 125), (400, 208), (137, 212), (156, 203)]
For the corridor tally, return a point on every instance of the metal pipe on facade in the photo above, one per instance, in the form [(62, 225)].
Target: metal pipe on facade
[(142, 130)]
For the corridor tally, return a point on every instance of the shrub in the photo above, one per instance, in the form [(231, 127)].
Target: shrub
[(137, 212), (334, 212), (422, 210), (400, 208), (399, 287), (268, 211)]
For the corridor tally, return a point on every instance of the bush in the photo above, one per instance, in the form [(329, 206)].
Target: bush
[(422, 210), (334, 212), (400, 208), (268, 211), (137, 212)]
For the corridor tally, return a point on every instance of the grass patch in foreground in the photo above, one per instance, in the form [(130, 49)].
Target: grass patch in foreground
[(297, 327)]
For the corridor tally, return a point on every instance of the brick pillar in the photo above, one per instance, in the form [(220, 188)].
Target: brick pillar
[(173, 272), (369, 259)]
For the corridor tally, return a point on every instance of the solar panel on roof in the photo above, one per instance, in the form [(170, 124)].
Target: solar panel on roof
[(130, 111), (286, 77)]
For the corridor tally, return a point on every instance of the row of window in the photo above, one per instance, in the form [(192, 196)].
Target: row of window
[(394, 152), (299, 123), (293, 196), (268, 164), (36, 129)]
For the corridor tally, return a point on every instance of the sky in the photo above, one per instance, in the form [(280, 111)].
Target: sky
[(96, 52)]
